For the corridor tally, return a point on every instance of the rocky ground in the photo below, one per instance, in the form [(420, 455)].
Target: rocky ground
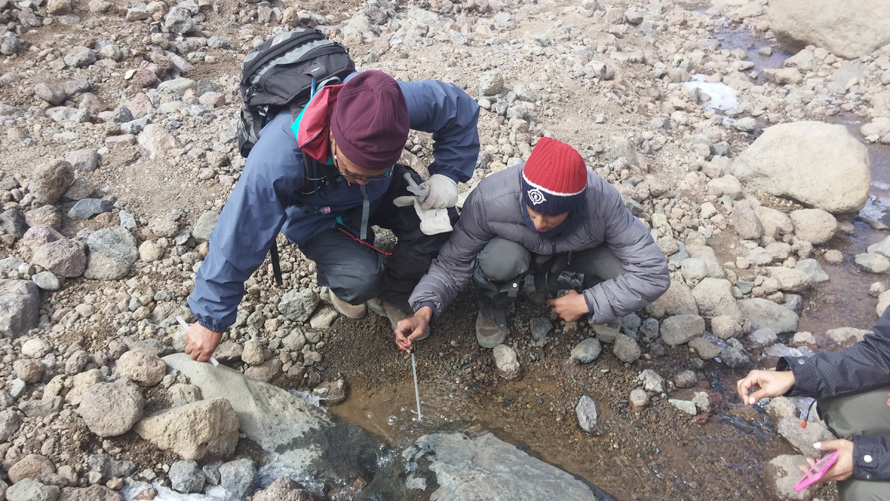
[(118, 150)]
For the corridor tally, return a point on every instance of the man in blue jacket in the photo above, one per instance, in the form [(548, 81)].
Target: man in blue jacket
[(323, 180)]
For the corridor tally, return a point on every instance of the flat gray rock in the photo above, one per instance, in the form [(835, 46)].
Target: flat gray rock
[(458, 466)]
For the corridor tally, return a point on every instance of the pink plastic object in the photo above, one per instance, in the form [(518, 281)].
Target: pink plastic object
[(817, 471)]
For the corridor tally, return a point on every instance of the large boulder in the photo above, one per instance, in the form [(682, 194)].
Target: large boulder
[(817, 164), (306, 441), (19, 307), (850, 29)]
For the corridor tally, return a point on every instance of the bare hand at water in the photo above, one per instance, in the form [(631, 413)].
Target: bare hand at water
[(200, 342), (570, 307), (411, 328), (769, 384)]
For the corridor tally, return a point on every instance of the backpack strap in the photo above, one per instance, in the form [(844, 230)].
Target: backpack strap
[(276, 265)]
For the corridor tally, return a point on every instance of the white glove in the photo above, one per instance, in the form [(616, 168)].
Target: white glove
[(432, 221), (441, 192)]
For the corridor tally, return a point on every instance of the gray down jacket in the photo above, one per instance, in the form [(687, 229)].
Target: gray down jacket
[(494, 209)]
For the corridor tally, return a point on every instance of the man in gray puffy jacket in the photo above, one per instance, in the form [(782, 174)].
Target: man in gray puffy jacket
[(549, 215)]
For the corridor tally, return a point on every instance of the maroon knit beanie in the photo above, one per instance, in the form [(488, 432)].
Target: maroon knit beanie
[(370, 120), (554, 178)]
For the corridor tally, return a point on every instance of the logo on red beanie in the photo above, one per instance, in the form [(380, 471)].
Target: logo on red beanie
[(554, 178)]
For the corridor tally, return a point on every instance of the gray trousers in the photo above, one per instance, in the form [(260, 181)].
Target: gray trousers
[(502, 260), (356, 272), (861, 414)]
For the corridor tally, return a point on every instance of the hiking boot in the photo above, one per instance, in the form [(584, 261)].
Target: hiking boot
[(386, 309), (355, 311), (488, 332)]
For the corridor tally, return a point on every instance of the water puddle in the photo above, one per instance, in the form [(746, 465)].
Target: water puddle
[(762, 53)]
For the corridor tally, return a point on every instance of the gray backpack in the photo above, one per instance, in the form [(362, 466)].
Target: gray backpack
[(284, 72)]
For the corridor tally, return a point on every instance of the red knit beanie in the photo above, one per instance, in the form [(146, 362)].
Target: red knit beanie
[(554, 178), (370, 120)]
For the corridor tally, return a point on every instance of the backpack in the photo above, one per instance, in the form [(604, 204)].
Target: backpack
[(283, 72)]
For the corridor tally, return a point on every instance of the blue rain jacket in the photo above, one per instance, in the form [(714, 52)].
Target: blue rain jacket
[(268, 199)]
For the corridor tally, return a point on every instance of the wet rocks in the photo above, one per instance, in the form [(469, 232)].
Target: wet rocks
[(506, 361), (282, 489), (804, 161), (30, 489), (186, 476), (193, 430), (783, 472), (704, 349), (331, 393), (589, 414), (238, 477), (685, 406), (873, 263), (813, 225), (803, 439)]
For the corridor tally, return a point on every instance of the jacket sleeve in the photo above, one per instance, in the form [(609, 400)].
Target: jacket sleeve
[(450, 272), (871, 457), (450, 115), (860, 367), (645, 275), (248, 225)]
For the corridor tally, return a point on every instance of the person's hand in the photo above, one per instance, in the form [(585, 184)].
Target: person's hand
[(570, 307), (411, 328), (769, 384), (843, 468), (441, 192), (200, 342)]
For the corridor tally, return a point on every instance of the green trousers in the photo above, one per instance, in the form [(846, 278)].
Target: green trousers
[(861, 414)]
